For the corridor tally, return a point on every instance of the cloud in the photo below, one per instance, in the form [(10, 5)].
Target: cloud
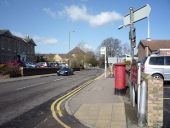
[(18, 34), (76, 13), (51, 13), (45, 40), (80, 13), (85, 47), (38, 39)]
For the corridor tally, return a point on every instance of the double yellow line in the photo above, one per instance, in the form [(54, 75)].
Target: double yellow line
[(60, 100)]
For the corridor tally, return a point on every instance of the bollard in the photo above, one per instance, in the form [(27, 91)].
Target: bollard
[(21, 71), (142, 105), (139, 86)]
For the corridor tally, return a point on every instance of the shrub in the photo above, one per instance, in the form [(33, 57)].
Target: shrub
[(12, 71)]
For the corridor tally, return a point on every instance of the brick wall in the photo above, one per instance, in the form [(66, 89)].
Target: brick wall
[(155, 103)]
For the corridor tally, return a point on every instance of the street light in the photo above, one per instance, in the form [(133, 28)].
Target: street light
[(69, 48)]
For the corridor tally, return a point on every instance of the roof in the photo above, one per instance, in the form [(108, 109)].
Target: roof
[(155, 45), (27, 39), (10, 35), (5, 32), (63, 55)]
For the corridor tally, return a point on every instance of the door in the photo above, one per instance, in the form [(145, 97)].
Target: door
[(167, 68)]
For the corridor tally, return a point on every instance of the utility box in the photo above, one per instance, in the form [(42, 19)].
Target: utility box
[(120, 78)]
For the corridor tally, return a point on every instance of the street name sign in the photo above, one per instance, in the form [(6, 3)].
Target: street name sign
[(139, 14)]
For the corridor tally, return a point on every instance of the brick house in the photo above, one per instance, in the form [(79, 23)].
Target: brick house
[(146, 47), (13, 47)]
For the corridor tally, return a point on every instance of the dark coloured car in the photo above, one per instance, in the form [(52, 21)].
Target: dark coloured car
[(65, 71)]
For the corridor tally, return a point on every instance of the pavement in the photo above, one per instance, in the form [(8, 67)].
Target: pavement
[(97, 106)]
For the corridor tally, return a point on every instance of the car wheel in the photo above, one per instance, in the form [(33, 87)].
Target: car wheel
[(157, 76)]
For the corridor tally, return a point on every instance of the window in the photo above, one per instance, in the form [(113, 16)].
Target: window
[(167, 60), (156, 61), (2, 43), (9, 44)]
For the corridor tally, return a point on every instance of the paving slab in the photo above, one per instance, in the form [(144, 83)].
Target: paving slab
[(96, 106)]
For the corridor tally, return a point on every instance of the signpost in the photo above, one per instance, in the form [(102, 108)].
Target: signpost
[(139, 14), (103, 52), (129, 20)]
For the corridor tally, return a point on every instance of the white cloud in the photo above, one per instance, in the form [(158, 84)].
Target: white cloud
[(80, 13), (38, 39), (45, 40), (18, 34), (76, 13), (85, 47), (51, 13)]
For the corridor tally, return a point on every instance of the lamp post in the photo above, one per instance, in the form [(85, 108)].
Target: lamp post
[(69, 63)]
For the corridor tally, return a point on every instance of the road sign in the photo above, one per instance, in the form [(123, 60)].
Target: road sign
[(139, 14), (103, 50), (112, 60)]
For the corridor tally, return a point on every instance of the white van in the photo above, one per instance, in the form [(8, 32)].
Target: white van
[(158, 66)]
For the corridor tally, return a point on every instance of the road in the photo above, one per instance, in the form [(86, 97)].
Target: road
[(166, 104), (26, 103)]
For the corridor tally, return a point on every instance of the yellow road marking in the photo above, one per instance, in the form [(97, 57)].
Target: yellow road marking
[(63, 98)]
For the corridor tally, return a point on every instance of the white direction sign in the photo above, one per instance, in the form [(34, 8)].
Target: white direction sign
[(139, 14), (103, 50)]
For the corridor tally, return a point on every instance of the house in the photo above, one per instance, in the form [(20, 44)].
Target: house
[(63, 58), (147, 47), (13, 47)]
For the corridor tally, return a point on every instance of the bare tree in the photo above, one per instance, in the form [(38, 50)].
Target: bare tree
[(114, 47)]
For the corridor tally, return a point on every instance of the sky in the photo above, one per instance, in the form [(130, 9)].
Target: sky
[(49, 22)]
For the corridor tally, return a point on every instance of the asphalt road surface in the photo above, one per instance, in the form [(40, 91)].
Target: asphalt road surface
[(166, 105), (26, 103)]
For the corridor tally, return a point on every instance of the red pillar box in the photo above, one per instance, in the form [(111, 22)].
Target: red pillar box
[(120, 78)]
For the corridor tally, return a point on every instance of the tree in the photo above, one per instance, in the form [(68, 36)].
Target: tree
[(114, 47), (89, 57)]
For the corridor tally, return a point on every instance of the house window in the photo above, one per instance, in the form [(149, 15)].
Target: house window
[(2, 43), (9, 44)]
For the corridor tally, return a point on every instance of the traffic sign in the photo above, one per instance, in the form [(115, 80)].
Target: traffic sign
[(139, 14), (103, 50)]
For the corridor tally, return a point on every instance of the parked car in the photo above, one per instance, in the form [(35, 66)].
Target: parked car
[(53, 64), (65, 71), (157, 65), (30, 64), (41, 64)]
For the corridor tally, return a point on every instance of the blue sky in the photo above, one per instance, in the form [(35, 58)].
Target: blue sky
[(49, 22)]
